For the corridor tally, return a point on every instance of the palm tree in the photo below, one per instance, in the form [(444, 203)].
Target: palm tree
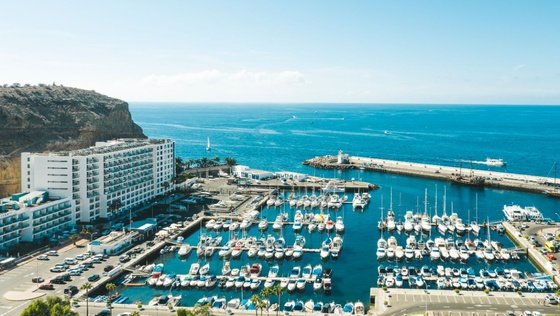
[(230, 162), (110, 287), (86, 287), (74, 238), (115, 205), (277, 290), (87, 231), (261, 304), (257, 301), (266, 293)]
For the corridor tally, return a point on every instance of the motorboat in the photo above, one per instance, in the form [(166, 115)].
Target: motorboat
[(226, 269), (339, 225), (301, 283), (381, 253), (317, 271), (317, 284), (255, 270), (306, 272), (348, 308), (184, 250), (204, 269), (194, 268)]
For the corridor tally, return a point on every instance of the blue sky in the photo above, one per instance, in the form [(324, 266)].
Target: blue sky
[(489, 52)]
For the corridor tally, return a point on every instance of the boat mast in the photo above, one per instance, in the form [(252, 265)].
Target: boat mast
[(476, 208), (425, 201), (444, 200), (435, 203), (391, 200)]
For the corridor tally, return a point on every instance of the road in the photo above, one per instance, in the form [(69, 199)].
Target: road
[(17, 282)]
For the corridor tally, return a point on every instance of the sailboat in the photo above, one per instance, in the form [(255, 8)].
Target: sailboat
[(555, 190), (475, 228), (208, 147)]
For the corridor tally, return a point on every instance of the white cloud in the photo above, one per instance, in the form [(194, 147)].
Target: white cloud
[(217, 77)]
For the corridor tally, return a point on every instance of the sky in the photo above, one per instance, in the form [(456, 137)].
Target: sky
[(393, 51)]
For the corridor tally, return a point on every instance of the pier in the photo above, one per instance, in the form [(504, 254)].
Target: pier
[(467, 176), (533, 254), (312, 184)]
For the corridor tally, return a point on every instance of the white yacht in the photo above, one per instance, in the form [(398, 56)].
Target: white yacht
[(517, 213)]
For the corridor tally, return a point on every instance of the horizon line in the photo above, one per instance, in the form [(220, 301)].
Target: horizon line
[(334, 103)]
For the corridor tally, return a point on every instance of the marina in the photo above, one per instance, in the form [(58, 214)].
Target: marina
[(299, 242)]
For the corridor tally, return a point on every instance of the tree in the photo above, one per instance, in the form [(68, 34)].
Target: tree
[(277, 290), (75, 238), (230, 162), (266, 293), (87, 231), (135, 313), (110, 287), (51, 306), (115, 205), (256, 300), (86, 287)]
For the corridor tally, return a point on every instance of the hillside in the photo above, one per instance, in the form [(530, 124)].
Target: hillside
[(47, 117)]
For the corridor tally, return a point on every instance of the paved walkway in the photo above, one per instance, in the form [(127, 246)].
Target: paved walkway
[(22, 296)]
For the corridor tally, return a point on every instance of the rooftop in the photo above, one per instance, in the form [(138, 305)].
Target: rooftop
[(108, 146), (20, 201)]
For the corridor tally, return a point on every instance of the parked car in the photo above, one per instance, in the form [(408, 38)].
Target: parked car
[(46, 286), (93, 277), (37, 280), (52, 253), (550, 299), (43, 257), (66, 277), (57, 280), (75, 272), (57, 269), (71, 290), (124, 258), (104, 312), (108, 268)]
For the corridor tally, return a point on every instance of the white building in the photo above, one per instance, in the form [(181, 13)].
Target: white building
[(292, 175), (244, 172), (342, 158), (110, 244), (33, 216), (118, 174)]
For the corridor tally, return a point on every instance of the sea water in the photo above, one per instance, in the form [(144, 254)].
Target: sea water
[(280, 137)]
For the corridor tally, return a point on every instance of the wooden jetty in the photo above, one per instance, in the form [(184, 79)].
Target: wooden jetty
[(465, 176)]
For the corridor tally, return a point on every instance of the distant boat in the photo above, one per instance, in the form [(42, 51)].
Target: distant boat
[(494, 162), (208, 147), (386, 132)]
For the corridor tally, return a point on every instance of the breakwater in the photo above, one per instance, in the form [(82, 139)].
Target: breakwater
[(466, 176)]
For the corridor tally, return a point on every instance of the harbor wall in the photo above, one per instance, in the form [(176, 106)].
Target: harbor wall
[(496, 179)]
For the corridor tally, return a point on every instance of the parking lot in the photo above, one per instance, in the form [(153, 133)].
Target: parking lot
[(16, 285), (403, 301)]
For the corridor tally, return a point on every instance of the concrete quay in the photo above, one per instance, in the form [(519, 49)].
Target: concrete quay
[(533, 254), (314, 184), (513, 181), (443, 302)]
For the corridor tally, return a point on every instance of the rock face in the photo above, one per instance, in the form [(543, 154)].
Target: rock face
[(46, 117)]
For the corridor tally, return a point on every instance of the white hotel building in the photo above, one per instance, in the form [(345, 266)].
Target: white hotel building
[(129, 171), (33, 216)]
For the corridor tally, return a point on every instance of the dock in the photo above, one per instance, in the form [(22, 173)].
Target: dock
[(313, 185), (466, 176), (533, 253)]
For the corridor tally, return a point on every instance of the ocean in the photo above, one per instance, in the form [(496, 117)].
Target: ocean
[(281, 136)]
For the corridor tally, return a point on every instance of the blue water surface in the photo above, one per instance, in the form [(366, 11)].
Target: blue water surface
[(280, 137)]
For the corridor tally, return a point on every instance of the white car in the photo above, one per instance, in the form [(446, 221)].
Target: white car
[(535, 313)]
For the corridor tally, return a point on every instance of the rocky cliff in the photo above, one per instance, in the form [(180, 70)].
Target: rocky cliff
[(48, 117)]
